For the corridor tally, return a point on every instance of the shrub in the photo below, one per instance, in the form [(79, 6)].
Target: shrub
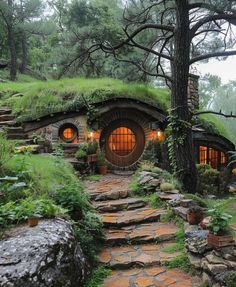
[(208, 179), (153, 151), (73, 198), (82, 151), (165, 186), (90, 234), (101, 161), (6, 150), (230, 279), (92, 147), (146, 165), (97, 277)]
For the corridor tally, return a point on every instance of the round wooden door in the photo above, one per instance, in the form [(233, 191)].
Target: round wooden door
[(124, 142)]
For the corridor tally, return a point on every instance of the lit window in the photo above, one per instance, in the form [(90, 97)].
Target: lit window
[(122, 141), (68, 133), (211, 156)]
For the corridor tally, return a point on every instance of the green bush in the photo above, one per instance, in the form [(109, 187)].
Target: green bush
[(219, 223), (73, 198), (208, 179), (92, 147), (82, 151), (6, 150), (97, 277), (230, 279), (153, 151), (90, 234), (165, 186)]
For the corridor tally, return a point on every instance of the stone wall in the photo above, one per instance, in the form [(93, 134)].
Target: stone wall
[(47, 255)]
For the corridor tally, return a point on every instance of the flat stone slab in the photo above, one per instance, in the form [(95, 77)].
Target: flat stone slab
[(169, 196), (181, 211), (110, 195), (150, 277), (142, 233), (124, 218), (136, 255), (119, 204), (7, 123)]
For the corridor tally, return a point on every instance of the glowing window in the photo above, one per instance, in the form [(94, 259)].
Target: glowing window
[(122, 141), (69, 133), (211, 156)]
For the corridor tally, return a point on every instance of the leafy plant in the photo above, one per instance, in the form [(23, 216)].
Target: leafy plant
[(165, 186), (92, 147), (153, 151), (90, 234), (101, 160), (219, 223), (208, 179), (6, 150), (73, 198), (97, 277), (82, 151)]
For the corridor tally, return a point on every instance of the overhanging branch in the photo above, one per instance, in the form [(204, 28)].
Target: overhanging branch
[(231, 115), (212, 55)]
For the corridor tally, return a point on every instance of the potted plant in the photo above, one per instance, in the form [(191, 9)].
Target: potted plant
[(92, 151), (219, 229), (195, 215), (101, 163), (81, 153)]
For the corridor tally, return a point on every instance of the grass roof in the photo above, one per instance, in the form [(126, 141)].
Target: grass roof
[(41, 98)]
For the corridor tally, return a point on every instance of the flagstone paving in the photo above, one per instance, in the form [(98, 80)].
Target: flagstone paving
[(136, 238)]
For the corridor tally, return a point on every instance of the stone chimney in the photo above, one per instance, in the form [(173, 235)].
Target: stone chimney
[(193, 96)]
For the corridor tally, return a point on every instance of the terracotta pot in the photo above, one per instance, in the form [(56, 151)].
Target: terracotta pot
[(194, 218), (219, 240), (33, 221), (102, 169)]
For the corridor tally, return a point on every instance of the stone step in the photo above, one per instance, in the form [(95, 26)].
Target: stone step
[(128, 203), (5, 111), (124, 218), (181, 211), (158, 276), (17, 136), (110, 195), (7, 123), (13, 130), (141, 233), (137, 255), (6, 117)]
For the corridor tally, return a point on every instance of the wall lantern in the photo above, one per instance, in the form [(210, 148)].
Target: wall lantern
[(156, 132)]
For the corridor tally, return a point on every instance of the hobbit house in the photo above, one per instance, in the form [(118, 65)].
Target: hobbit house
[(122, 125)]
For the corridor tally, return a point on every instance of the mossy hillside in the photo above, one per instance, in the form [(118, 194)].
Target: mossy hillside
[(41, 98)]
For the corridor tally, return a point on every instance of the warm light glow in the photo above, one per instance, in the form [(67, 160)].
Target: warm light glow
[(122, 141), (157, 135), (68, 133), (91, 135), (211, 156)]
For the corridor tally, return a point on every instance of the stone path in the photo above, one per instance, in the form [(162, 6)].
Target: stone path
[(135, 238)]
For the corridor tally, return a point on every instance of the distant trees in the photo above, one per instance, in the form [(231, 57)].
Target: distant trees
[(21, 19)]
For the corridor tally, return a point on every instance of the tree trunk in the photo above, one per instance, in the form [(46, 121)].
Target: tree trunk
[(24, 59), (181, 129), (11, 43)]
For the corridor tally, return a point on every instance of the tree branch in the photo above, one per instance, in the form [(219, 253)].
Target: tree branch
[(231, 115), (212, 55)]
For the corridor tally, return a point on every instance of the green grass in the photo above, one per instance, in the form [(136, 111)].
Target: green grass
[(47, 172), (54, 94), (97, 277), (93, 177), (154, 201)]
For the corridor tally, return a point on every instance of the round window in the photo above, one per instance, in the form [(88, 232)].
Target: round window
[(122, 141), (68, 133)]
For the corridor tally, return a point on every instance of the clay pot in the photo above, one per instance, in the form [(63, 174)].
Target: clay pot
[(33, 221), (102, 169), (194, 218), (218, 241)]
